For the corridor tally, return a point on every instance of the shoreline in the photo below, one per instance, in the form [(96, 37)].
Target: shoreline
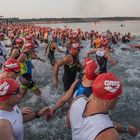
[(68, 20), (96, 22)]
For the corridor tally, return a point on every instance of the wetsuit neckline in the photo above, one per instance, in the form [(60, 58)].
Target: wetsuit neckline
[(84, 116)]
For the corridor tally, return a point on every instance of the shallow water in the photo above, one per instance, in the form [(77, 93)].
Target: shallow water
[(127, 110)]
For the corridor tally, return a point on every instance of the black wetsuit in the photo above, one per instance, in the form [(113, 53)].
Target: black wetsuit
[(19, 52), (123, 39), (51, 53), (102, 62), (2, 55), (113, 40), (70, 72)]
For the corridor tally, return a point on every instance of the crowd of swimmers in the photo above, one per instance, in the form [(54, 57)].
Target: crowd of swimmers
[(92, 94)]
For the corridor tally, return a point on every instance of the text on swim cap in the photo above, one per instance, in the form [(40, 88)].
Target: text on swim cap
[(4, 88), (90, 61), (111, 86), (111, 83), (12, 65)]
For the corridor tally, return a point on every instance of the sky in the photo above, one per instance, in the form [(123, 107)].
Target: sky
[(69, 8)]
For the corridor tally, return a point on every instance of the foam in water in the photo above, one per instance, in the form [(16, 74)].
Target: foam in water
[(127, 111)]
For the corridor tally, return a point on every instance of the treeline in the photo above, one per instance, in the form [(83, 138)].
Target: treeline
[(79, 19), (49, 20)]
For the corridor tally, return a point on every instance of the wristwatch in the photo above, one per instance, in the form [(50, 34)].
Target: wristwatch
[(36, 114)]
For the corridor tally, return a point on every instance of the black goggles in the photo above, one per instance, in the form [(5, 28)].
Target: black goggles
[(16, 72), (17, 91)]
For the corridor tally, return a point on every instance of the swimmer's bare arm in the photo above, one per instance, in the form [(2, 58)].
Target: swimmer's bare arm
[(14, 53), (132, 130), (63, 99), (8, 46), (29, 115), (109, 134), (66, 60), (68, 120), (6, 130), (91, 52), (22, 58), (109, 57)]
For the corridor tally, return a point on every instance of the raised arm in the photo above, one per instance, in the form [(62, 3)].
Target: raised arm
[(91, 52)]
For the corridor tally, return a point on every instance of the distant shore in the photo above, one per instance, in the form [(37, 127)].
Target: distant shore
[(66, 20)]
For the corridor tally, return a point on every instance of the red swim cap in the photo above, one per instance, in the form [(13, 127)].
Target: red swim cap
[(75, 35), (104, 42), (11, 65), (91, 69), (107, 86), (28, 46), (86, 60), (19, 41), (76, 46), (7, 87), (28, 37), (1, 34)]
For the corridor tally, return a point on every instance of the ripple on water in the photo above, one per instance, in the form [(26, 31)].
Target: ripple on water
[(127, 110)]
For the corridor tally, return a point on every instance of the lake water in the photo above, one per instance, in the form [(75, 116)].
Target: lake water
[(129, 26), (128, 69)]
